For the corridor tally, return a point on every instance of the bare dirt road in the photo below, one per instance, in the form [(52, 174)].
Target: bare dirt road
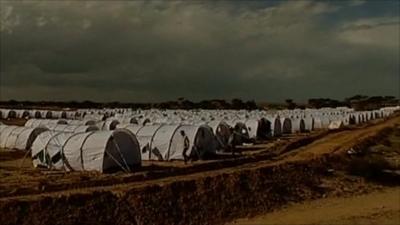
[(380, 208)]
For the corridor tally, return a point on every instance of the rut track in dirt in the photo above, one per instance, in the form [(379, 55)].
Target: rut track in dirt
[(303, 148)]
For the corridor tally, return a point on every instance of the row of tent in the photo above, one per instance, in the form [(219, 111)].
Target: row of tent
[(45, 114), (252, 128), (74, 151), (106, 150), (63, 124), (131, 116), (101, 145)]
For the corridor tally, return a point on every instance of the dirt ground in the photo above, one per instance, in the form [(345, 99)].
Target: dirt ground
[(267, 177), (376, 208)]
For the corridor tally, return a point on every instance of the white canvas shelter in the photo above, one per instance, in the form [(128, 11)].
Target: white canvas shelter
[(286, 125), (325, 121), (42, 114), (222, 132), (102, 151), (161, 142), (242, 134), (145, 136), (166, 142), (201, 142), (276, 126), (43, 122), (264, 128), (22, 114), (298, 125), (134, 128), (108, 125), (252, 127), (11, 113), (47, 149), (317, 123), (309, 123), (4, 113), (71, 128), (17, 137), (337, 124), (95, 117)]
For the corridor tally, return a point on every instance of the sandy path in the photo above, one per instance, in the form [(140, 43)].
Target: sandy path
[(381, 207)]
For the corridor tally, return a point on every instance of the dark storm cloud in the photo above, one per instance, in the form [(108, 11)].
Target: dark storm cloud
[(153, 51)]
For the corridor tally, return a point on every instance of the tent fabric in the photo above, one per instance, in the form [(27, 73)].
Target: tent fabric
[(17, 137), (264, 129), (337, 124), (201, 142), (276, 126), (134, 128), (5, 133), (252, 127), (298, 125), (43, 122), (109, 125), (102, 151), (161, 142), (72, 128), (165, 142), (286, 125), (309, 123), (317, 123), (47, 149), (222, 132), (145, 137)]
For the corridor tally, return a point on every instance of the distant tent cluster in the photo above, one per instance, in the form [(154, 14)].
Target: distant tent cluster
[(43, 114), (108, 139)]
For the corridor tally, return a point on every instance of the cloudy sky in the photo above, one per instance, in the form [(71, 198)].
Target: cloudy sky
[(133, 51)]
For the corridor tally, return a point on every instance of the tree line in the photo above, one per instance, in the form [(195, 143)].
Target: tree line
[(359, 102)]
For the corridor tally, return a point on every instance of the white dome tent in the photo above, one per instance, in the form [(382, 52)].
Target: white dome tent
[(201, 142), (22, 113), (276, 126), (47, 149), (7, 113), (242, 134), (252, 126), (102, 151), (43, 122), (336, 124), (161, 142), (108, 125), (264, 129), (17, 137), (5, 132), (298, 125), (286, 125), (222, 132), (71, 128), (309, 123), (317, 123), (131, 127), (145, 136)]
